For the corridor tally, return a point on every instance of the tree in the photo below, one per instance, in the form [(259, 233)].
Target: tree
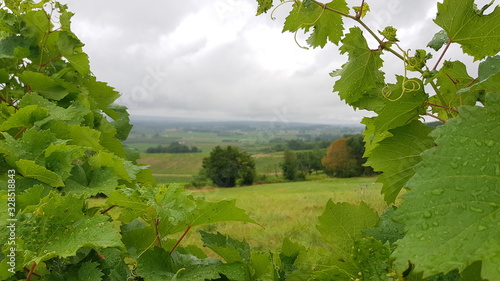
[(290, 166), (338, 160), (226, 166)]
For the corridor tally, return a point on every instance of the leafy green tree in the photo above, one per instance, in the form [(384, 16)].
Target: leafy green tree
[(290, 166), (227, 166)]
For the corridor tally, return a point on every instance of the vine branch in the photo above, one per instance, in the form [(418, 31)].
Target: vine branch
[(180, 239), (31, 272), (442, 54)]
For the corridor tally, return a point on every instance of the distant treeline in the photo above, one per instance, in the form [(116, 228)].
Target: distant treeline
[(299, 144), (174, 147)]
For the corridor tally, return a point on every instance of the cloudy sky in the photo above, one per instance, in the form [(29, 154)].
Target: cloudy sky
[(215, 59)]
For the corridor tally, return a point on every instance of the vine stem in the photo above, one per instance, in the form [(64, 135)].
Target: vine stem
[(441, 106), (434, 116), (360, 12), (50, 60), (108, 209), (19, 133), (31, 272), (180, 239), (442, 54), (157, 233)]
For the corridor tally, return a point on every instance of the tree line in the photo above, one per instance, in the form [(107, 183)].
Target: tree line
[(228, 167), (174, 147)]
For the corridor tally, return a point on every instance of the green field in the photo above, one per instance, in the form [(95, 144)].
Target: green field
[(180, 167), (287, 210)]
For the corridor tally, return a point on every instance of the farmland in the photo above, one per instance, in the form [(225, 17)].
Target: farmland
[(282, 209), (261, 139)]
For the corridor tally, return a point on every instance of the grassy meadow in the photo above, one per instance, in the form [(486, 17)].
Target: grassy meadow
[(286, 210)]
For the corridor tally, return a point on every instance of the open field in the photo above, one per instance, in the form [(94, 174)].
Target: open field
[(180, 167), (287, 209)]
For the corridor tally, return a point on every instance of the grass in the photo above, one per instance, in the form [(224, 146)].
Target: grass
[(287, 209), (180, 167)]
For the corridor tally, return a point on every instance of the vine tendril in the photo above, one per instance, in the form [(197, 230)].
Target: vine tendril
[(407, 86), (281, 4)]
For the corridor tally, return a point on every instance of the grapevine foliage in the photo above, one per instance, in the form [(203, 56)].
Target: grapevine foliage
[(451, 174), (85, 210)]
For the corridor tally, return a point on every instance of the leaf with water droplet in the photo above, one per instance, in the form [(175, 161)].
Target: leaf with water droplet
[(456, 241)]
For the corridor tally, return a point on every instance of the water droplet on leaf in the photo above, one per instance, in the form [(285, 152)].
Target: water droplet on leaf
[(476, 210), (427, 214), (437, 191)]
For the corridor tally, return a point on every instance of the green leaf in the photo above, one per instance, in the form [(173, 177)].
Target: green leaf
[(451, 210), (122, 168), (156, 264), (101, 94), (489, 79), (366, 9), (289, 254), (341, 224), (372, 258), (372, 138), (229, 249), (159, 265), (360, 77), (121, 120), (264, 6), (478, 34), (451, 78), (56, 227), (397, 156), (86, 272), (389, 33), (46, 86), (405, 104), (387, 230), (439, 39), (74, 114), (327, 25), (60, 157), (30, 169), (24, 117)]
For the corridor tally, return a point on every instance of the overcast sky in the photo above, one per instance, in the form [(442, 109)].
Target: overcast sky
[(216, 59)]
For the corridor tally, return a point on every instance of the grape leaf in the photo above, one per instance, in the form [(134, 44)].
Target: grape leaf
[(396, 157), (231, 250), (264, 6), (341, 224), (489, 79), (86, 272), (360, 76), (30, 169), (387, 230), (451, 210), (122, 168), (158, 265), (451, 78), (60, 157), (439, 39), (478, 34), (327, 25), (24, 117), (406, 103), (46, 86), (372, 138), (56, 227), (74, 114)]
